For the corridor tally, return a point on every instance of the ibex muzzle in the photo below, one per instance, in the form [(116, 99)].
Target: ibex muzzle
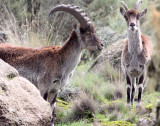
[(132, 16)]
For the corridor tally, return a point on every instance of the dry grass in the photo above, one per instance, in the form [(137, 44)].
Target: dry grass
[(8, 24), (25, 33)]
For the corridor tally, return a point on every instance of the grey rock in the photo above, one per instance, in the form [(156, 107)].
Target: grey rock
[(111, 54), (145, 122), (108, 36), (20, 101), (68, 92), (7, 71)]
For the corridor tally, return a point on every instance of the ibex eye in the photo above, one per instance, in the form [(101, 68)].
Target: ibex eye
[(89, 35), (126, 18)]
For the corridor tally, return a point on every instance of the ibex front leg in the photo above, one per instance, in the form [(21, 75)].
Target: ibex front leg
[(52, 94), (131, 84), (133, 81), (52, 99)]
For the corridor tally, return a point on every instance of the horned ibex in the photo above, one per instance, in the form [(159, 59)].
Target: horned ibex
[(136, 53), (49, 68)]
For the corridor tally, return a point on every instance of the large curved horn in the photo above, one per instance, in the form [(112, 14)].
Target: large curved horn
[(79, 14), (125, 6), (137, 4)]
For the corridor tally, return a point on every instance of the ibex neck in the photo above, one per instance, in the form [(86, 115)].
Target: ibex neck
[(71, 52), (134, 42), (72, 45)]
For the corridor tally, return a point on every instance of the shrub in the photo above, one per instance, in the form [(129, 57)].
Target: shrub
[(83, 107)]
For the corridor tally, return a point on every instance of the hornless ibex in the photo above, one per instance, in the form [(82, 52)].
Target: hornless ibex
[(49, 68), (136, 53)]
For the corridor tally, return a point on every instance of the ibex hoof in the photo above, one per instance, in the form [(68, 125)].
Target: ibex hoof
[(139, 106)]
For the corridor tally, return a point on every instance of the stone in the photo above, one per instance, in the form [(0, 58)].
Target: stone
[(145, 122), (67, 93), (20, 101), (111, 54)]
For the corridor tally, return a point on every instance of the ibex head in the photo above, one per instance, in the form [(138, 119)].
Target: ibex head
[(132, 16), (85, 32)]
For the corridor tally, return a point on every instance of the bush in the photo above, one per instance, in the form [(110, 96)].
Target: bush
[(83, 107)]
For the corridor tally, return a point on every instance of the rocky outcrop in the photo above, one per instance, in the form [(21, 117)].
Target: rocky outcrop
[(68, 92), (109, 36), (112, 55), (20, 101), (145, 122)]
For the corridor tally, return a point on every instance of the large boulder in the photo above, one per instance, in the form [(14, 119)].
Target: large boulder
[(20, 101), (109, 36), (111, 54)]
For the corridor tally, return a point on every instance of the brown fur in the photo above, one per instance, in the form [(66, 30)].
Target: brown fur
[(132, 13), (21, 55), (49, 68)]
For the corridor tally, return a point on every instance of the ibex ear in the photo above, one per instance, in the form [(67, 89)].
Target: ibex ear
[(76, 29), (74, 26), (142, 14), (122, 11)]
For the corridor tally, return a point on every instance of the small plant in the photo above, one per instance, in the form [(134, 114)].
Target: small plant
[(117, 123), (83, 107), (11, 76)]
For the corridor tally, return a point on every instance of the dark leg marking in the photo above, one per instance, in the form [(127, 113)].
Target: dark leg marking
[(128, 94), (140, 88), (141, 79), (133, 93), (45, 96), (128, 88), (128, 80), (139, 93)]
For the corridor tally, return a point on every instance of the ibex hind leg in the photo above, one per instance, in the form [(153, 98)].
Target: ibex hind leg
[(140, 89), (128, 90)]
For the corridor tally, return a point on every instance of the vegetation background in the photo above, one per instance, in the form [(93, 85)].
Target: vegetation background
[(101, 97)]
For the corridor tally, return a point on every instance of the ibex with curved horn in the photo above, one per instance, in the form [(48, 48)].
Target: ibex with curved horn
[(49, 68), (136, 53)]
